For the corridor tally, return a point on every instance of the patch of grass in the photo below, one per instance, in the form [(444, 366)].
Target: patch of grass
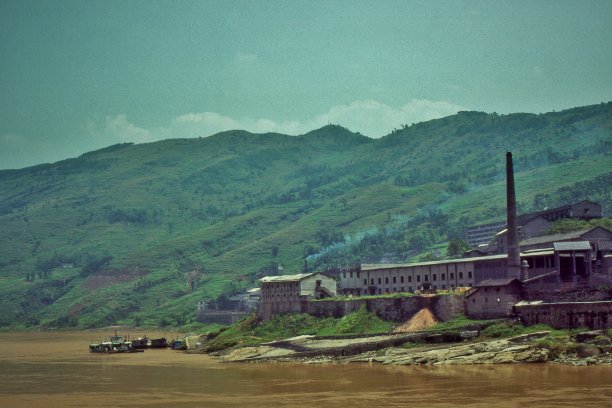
[(239, 333), (500, 328), (458, 322), (290, 325), (359, 322), (250, 331), (558, 345), (410, 345), (510, 329)]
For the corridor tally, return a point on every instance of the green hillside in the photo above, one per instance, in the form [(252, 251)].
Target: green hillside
[(108, 237)]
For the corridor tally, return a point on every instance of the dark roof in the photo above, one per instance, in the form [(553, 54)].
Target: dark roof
[(536, 278), (525, 218), (370, 267), (575, 235), (605, 245), (529, 216), (492, 283), (572, 246), (555, 237), (496, 282)]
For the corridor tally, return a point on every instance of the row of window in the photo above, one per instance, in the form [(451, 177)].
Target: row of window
[(283, 285), (278, 295), (418, 278), (486, 300), (410, 288)]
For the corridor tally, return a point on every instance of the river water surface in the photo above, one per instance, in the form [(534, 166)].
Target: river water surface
[(56, 370)]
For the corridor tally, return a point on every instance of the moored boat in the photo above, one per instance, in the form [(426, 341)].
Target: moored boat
[(141, 343), (158, 343), (178, 344), (117, 344)]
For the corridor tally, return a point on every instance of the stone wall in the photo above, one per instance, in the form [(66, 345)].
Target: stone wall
[(398, 309), (220, 316), (594, 315), (448, 307), (576, 295)]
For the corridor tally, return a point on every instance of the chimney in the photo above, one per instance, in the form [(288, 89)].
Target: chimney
[(305, 265), (512, 237)]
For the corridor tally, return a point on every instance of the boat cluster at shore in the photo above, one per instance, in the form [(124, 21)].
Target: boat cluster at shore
[(122, 344)]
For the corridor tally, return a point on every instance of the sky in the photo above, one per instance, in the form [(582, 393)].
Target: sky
[(76, 76)]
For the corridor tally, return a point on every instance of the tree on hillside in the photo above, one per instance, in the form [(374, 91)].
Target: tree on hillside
[(457, 247), (94, 263), (193, 278), (429, 257), (571, 224)]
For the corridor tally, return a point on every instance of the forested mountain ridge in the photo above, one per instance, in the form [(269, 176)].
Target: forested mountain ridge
[(109, 236)]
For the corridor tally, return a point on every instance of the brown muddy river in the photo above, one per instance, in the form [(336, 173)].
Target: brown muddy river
[(56, 370)]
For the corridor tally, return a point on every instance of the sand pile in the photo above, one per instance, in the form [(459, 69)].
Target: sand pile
[(421, 320)]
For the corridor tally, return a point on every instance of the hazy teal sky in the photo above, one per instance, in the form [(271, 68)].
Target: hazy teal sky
[(80, 75)]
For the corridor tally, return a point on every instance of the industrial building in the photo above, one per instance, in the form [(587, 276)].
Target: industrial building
[(519, 272), (286, 293), (532, 224)]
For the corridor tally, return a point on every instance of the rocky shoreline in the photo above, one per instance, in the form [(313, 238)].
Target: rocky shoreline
[(592, 348)]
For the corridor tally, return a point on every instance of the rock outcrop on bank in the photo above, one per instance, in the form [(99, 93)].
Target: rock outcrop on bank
[(305, 347), (398, 350), (513, 350)]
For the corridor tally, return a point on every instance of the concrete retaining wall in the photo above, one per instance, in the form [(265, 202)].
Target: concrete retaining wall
[(220, 316), (398, 309), (569, 315), (577, 295)]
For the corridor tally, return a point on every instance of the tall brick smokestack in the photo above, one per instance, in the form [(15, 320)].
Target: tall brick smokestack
[(514, 255)]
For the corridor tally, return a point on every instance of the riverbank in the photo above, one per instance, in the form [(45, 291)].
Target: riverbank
[(54, 369), (587, 348)]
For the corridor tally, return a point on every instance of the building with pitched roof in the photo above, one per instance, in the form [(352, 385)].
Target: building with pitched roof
[(286, 293), (493, 298), (533, 224)]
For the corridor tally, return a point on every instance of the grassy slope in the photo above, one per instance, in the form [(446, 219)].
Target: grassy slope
[(250, 331), (226, 201)]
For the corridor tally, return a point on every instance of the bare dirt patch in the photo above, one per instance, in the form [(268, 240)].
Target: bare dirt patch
[(108, 277), (421, 320)]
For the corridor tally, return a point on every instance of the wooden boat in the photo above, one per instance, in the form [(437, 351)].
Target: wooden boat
[(158, 343), (141, 343), (178, 344)]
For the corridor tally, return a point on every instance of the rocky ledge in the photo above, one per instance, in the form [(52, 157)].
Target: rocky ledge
[(512, 350), (526, 348)]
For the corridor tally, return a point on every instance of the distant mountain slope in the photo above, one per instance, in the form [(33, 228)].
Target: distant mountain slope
[(107, 237)]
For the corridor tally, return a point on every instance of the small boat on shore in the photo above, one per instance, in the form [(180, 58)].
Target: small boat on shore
[(178, 344), (141, 343), (158, 343), (117, 344)]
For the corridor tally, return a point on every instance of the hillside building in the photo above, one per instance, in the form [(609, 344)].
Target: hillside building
[(532, 224), (493, 298), (476, 235), (573, 256), (286, 293), (228, 310), (375, 279)]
